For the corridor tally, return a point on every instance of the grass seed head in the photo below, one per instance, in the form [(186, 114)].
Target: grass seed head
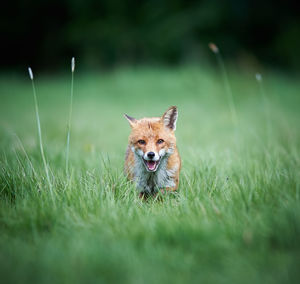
[(258, 77), (73, 64), (213, 47), (30, 73)]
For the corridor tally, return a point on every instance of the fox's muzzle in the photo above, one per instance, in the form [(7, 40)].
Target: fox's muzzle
[(151, 156)]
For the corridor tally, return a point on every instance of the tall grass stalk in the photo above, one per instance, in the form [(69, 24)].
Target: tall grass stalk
[(221, 64), (259, 80), (70, 116), (39, 130)]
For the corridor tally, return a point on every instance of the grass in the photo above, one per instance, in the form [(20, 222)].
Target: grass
[(70, 116), (235, 218), (227, 86), (39, 128)]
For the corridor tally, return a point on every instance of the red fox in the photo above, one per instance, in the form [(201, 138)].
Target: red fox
[(152, 159)]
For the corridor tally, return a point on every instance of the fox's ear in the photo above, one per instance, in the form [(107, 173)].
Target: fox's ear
[(170, 118), (130, 119)]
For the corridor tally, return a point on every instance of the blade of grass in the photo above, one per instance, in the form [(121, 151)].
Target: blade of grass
[(26, 155), (39, 130), (221, 64), (70, 116), (259, 80)]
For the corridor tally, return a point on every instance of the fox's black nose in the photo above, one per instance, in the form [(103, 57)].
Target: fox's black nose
[(150, 155)]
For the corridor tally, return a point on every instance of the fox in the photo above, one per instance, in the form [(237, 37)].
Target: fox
[(152, 160)]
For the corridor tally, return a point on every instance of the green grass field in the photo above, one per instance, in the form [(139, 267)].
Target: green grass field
[(235, 218)]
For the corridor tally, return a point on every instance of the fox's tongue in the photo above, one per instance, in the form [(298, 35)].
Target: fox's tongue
[(151, 165)]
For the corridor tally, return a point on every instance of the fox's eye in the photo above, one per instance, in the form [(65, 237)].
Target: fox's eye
[(160, 141), (142, 142)]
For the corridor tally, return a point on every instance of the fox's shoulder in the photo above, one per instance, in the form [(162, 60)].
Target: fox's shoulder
[(129, 163)]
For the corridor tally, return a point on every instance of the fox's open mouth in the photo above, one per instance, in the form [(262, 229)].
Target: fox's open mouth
[(151, 166)]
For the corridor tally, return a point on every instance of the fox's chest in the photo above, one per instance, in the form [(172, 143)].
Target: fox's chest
[(151, 182)]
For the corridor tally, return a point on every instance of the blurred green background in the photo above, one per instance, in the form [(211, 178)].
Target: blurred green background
[(106, 33), (236, 215)]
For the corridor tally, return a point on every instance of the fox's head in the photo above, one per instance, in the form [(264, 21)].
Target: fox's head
[(153, 139)]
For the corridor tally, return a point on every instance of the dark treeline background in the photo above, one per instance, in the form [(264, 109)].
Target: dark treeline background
[(104, 33)]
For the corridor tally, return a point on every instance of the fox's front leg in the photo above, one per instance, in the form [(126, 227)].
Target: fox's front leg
[(171, 188), (168, 189), (144, 195)]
